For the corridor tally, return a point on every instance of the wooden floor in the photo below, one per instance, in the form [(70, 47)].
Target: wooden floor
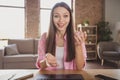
[(95, 64)]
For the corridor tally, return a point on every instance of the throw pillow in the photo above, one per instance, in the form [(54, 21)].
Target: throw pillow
[(11, 49)]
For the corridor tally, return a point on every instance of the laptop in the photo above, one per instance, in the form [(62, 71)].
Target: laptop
[(58, 77)]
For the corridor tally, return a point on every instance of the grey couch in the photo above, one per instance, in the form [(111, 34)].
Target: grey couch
[(109, 51), (26, 55)]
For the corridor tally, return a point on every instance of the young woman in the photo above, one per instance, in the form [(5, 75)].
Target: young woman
[(62, 47)]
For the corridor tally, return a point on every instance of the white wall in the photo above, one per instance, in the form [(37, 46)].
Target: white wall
[(112, 15)]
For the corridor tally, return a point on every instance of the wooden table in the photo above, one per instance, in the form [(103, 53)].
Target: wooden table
[(88, 74), (115, 73)]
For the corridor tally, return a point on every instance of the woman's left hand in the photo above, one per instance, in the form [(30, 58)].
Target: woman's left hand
[(80, 37)]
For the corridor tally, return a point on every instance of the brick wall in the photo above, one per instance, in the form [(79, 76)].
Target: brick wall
[(91, 10), (32, 18)]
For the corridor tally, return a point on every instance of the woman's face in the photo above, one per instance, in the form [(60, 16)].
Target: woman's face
[(61, 18)]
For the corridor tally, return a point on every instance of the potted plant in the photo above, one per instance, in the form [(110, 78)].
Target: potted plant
[(85, 23), (103, 31)]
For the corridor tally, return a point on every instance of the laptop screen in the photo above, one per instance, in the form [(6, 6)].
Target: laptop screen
[(58, 77)]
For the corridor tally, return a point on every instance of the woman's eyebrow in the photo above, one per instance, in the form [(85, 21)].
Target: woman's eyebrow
[(58, 13), (55, 13)]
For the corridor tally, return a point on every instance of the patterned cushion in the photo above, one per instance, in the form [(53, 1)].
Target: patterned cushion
[(11, 49)]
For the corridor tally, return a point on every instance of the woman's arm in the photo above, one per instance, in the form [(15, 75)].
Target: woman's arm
[(40, 63), (80, 56), (44, 60)]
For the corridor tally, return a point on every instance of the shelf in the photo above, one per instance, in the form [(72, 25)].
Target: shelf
[(91, 42)]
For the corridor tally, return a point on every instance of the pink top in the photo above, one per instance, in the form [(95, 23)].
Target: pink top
[(41, 54)]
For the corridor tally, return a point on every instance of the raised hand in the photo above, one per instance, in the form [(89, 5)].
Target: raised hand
[(51, 60), (80, 37)]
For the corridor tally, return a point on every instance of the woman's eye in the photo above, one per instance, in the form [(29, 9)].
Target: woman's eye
[(56, 16), (65, 16)]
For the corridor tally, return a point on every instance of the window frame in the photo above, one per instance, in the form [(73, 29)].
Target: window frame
[(14, 7)]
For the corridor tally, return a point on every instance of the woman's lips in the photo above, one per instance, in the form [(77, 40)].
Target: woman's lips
[(61, 25)]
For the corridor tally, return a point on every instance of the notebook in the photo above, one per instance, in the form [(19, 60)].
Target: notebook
[(58, 77), (22, 76), (16, 76)]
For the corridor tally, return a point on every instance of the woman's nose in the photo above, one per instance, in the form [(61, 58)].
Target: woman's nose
[(61, 19)]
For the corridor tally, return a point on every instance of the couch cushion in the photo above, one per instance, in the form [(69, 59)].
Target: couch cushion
[(19, 58), (20, 65), (25, 46), (113, 55), (11, 50)]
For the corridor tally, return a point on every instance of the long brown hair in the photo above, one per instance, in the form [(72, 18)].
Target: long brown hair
[(51, 42)]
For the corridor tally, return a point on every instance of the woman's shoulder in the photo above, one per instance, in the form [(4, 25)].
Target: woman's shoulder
[(44, 35)]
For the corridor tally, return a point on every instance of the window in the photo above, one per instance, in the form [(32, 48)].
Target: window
[(45, 9), (12, 20)]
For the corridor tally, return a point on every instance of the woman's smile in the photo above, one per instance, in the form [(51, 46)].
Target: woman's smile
[(61, 25)]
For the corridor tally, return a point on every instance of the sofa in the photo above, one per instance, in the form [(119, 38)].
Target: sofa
[(109, 51), (19, 54)]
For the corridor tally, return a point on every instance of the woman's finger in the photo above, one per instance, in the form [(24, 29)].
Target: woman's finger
[(85, 35), (81, 36), (51, 59), (76, 40), (50, 56)]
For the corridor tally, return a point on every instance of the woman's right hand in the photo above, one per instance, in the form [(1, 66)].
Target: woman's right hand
[(51, 60)]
